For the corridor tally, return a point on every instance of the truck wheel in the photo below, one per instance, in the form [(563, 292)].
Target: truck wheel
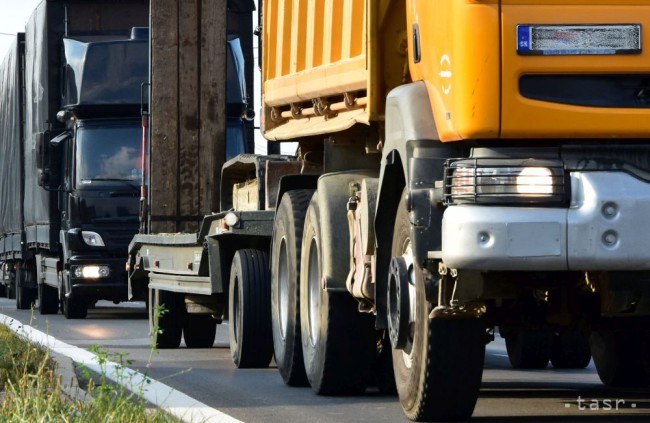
[(621, 357), (529, 348), (338, 342), (72, 308), (11, 292), (166, 318), (249, 302), (48, 299), (285, 294), (25, 296), (570, 350), (199, 330), (438, 371), (75, 308)]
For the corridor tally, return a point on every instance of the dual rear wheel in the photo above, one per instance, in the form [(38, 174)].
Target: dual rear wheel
[(438, 371), (169, 322)]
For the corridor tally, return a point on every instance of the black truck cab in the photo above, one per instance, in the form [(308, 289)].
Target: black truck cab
[(99, 198)]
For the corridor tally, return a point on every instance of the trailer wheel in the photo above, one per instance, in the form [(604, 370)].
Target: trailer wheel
[(166, 318), (338, 342), (25, 296), (48, 299), (621, 357), (285, 284), (438, 371), (570, 350), (529, 348), (199, 330), (249, 302), (11, 286)]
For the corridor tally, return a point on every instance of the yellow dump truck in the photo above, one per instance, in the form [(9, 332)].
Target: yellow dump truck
[(466, 169), (490, 159)]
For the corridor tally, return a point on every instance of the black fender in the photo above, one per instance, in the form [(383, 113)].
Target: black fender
[(413, 160)]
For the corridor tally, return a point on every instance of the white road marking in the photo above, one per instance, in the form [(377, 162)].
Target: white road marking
[(163, 396)]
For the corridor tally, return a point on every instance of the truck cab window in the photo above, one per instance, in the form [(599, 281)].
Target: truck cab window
[(108, 153)]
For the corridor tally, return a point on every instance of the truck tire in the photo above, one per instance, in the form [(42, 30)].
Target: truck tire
[(25, 296), (570, 350), (529, 348), (48, 299), (75, 308), (249, 301), (622, 357), (11, 286), (338, 342), (72, 308), (285, 286), (166, 317), (438, 372), (199, 330)]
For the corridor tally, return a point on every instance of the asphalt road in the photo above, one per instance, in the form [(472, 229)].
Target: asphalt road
[(209, 376)]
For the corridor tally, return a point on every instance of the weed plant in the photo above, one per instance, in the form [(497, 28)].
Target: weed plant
[(30, 390)]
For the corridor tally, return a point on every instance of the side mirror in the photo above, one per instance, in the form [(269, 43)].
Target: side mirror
[(42, 165), (47, 160)]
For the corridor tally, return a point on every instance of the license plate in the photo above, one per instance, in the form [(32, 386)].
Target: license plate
[(578, 39)]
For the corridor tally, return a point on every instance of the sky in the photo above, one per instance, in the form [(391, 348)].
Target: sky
[(13, 17)]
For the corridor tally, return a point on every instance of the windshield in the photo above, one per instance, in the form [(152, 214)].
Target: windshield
[(110, 153)]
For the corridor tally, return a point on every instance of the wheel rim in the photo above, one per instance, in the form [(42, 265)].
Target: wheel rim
[(314, 293), (283, 288), (407, 352)]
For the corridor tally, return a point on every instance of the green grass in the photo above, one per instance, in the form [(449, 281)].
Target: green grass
[(31, 391)]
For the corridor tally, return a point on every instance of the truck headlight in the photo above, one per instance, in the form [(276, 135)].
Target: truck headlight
[(92, 238), (91, 272), (493, 181)]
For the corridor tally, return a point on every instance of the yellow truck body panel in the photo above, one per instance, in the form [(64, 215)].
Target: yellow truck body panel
[(329, 64), (322, 50)]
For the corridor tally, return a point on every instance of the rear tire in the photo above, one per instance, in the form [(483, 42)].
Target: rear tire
[(570, 350), (25, 296), (622, 358), (251, 341), (529, 348), (166, 318), (338, 342), (285, 286), (11, 291), (48, 299), (438, 372), (199, 330)]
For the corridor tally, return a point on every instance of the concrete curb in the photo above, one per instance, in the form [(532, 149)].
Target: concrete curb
[(160, 395), (65, 370)]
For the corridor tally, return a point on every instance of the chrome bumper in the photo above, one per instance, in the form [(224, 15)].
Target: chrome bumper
[(606, 227)]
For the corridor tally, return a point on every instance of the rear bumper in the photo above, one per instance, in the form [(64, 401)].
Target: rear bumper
[(605, 228)]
